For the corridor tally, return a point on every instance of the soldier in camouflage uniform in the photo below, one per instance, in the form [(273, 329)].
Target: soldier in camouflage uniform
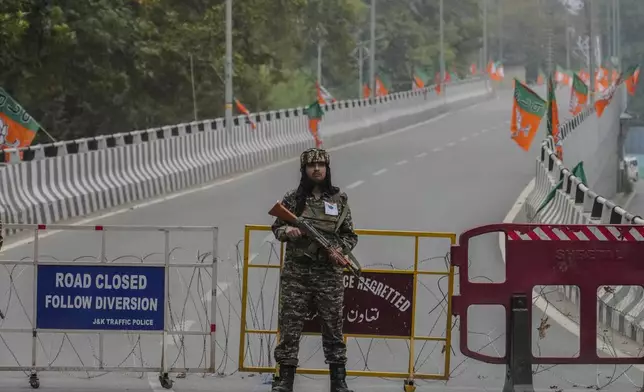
[(310, 275)]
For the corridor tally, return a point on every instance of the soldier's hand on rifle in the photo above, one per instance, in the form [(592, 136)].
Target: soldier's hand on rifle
[(338, 257), (293, 232)]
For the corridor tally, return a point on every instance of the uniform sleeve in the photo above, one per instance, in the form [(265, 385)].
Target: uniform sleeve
[(279, 226), (346, 232)]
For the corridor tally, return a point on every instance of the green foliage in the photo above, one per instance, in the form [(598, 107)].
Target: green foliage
[(295, 91), (91, 67)]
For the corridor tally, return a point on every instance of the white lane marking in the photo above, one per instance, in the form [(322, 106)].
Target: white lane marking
[(475, 134), (13, 245), (484, 130), (355, 184), (379, 172), (437, 149), (422, 154), (401, 162), (152, 377), (464, 138), (451, 144), (543, 305)]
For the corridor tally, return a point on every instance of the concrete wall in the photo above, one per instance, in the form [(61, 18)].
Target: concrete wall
[(635, 141), (596, 143)]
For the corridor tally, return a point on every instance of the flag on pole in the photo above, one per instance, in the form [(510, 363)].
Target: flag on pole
[(420, 79), (604, 100), (315, 113), (496, 71), (577, 171), (242, 109), (381, 90), (631, 77), (527, 111), (324, 96), (578, 95), (17, 127), (366, 91), (553, 118)]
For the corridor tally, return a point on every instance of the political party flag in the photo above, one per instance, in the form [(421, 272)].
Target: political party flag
[(315, 113), (242, 109), (553, 117), (631, 77), (17, 127), (578, 95), (527, 111)]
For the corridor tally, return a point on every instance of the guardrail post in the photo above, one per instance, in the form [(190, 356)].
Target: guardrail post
[(519, 345)]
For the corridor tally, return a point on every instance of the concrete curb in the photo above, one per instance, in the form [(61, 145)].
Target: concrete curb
[(172, 159)]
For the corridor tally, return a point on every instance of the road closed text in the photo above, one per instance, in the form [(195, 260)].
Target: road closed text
[(101, 297), (101, 281)]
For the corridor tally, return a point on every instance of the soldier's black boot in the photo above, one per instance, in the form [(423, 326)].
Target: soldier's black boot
[(286, 379), (338, 378)]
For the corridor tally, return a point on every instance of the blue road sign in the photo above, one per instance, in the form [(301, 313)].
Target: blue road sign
[(100, 297)]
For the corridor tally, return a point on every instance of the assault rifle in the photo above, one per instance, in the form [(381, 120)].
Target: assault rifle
[(350, 262)]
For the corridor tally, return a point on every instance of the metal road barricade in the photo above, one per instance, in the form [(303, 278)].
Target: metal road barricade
[(112, 284), (361, 295), (587, 256)]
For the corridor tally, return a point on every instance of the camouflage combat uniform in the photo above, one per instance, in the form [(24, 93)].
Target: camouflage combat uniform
[(1, 234), (310, 277)]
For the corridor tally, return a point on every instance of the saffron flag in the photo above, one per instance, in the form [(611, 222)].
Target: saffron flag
[(381, 90), (601, 103), (366, 91), (437, 83), (553, 118), (418, 83), (420, 80), (496, 71), (17, 127), (315, 113), (631, 78), (242, 109), (578, 95), (324, 96), (527, 111)]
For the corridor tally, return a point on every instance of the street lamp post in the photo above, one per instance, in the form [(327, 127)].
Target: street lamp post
[(442, 45), (229, 66), (485, 57), (372, 50)]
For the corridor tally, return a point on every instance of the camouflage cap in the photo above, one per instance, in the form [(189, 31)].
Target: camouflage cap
[(314, 155)]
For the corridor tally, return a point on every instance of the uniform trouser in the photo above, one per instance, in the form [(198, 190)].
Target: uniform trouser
[(310, 282)]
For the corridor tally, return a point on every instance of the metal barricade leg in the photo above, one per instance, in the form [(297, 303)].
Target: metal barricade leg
[(164, 377), (33, 378), (519, 343)]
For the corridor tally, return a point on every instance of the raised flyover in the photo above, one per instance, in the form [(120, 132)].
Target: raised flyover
[(413, 161)]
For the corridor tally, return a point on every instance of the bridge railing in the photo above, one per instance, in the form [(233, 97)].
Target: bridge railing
[(577, 203), (338, 116), (83, 176)]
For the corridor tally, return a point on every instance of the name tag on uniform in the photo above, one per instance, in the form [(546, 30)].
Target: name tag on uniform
[(330, 209)]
